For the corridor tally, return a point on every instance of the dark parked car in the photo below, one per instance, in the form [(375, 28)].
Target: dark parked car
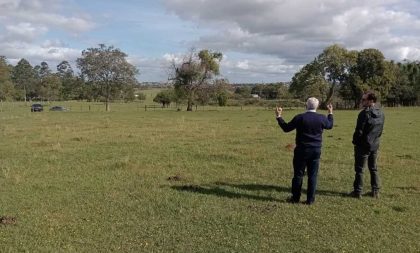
[(37, 108), (58, 108)]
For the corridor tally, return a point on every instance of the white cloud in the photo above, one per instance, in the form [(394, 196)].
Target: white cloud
[(26, 24), (243, 64), (23, 32), (298, 30), (37, 54), (43, 13)]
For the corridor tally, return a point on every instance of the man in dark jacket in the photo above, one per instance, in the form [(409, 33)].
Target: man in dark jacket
[(366, 137), (309, 127)]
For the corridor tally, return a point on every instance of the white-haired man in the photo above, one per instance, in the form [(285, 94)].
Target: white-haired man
[(309, 128)]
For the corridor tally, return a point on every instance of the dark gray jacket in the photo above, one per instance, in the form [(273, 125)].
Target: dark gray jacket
[(370, 124)]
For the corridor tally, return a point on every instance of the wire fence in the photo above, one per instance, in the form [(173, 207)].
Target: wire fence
[(77, 106)]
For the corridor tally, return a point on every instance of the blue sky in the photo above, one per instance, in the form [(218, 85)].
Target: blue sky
[(262, 41)]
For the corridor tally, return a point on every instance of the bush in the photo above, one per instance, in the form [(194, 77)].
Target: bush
[(141, 96)]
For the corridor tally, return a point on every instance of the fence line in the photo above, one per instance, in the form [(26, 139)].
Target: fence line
[(75, 106)]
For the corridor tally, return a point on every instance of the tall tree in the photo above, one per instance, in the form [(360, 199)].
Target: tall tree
[(64, 69), (196, 71), (70, 85), (336, 63), (107, 69), (324, 75), (42, 70), (374, 72), (24, 78), (7, 90), (412, 71), (43, 73), (50, 87), (311, 74), (403, 90)]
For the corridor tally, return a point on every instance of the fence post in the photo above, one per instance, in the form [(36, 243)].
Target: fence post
[(145, 107)]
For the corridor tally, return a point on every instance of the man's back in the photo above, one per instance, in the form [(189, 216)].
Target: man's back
[(370, 123), (309, 128)]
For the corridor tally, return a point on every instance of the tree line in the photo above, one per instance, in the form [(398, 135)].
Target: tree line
[(105, 75), (335, 75), (341, 74)]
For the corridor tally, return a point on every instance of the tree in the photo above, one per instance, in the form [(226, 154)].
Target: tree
[(140, 96), (24, 78), (221, 92), (204, 94), (70, 86), (283, 91), (50, 87), (197, 70), (42, 70), (243, 91), (336, 63), (43, 77), (411, 71), (107, 70), (164, 97), (318, 87), (7, 90), (370, 72), (64, 69), (127, 93), (403, 89), (311, 74), (349, 72)]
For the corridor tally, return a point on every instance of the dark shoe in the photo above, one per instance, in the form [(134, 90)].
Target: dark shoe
[(292, 200), (308, 203), (356, 195), (375, 194)]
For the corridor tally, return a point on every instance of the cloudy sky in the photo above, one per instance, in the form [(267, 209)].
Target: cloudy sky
[(262, 40)]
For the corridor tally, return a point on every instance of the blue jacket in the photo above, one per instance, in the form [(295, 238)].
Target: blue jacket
[(309, 127)]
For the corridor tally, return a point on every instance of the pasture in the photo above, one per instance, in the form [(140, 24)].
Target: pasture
[(207, 181)]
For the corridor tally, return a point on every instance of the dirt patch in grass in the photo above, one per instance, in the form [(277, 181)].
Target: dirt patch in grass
[(7, 220), (175, 178)]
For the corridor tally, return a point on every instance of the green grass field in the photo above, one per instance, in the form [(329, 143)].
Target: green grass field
[(208, 181)]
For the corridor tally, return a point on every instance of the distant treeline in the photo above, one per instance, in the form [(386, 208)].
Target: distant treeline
[(337, 75)]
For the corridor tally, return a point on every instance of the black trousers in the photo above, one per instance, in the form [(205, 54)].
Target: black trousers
[(305, 158), (361, 156)]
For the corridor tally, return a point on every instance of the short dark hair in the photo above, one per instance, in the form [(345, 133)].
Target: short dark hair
[(370, 95)]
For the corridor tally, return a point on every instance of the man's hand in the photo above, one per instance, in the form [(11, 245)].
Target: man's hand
[(330, 108), (278, 111)]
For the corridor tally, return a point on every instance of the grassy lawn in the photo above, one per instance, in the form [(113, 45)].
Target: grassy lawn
[(208, 181)]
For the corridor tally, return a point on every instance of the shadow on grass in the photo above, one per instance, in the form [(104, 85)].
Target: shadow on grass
[(218, 189), (262, 187), (220, 192)]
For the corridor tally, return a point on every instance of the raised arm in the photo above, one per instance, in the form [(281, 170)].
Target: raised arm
[(287, 127), (330, 119)]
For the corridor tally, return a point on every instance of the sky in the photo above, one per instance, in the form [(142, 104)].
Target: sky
[(261, 40)]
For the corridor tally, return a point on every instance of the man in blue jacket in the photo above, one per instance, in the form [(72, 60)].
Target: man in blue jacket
[(309, 128), (366, 137)]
